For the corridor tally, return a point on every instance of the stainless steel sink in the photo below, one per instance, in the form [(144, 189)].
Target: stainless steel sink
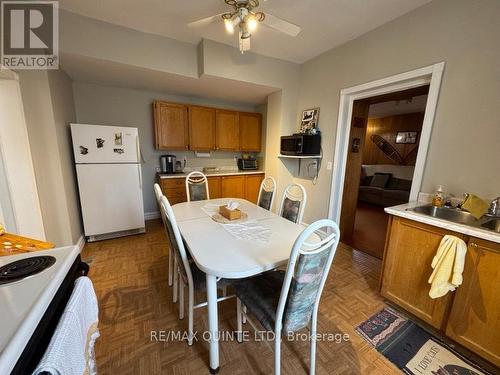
[(492, 224), (450, 214)]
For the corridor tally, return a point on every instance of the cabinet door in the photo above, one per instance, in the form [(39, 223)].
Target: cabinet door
[(252, 186), (250, 131), (171, 126), (214, 187), (227, 137), (174, 189), (475, 315), (201, 128), (233, 187), (407, 268)]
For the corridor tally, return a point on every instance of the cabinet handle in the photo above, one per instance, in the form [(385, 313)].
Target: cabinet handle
[(473, 244)]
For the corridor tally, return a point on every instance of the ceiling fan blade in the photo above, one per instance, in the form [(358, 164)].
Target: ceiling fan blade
[(281, 25), (205, 21)]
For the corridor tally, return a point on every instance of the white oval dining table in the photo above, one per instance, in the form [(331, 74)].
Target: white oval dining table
[(220, 254)]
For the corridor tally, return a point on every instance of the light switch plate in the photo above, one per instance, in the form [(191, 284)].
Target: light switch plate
[(329, 166)]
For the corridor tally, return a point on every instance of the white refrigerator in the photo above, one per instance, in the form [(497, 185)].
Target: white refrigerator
[(108, 168)]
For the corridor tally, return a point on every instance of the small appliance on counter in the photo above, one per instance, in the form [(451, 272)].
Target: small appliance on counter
[(248, 164), (301, 144), (167, 164)]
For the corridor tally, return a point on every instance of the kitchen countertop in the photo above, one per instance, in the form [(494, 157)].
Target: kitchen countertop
[(402, 211), (23, 303), (208, 174)]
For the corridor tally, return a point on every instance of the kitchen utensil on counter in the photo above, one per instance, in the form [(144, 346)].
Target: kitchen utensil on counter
[(179, 166)]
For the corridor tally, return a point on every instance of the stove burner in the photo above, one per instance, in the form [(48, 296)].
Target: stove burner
[(22, 268)]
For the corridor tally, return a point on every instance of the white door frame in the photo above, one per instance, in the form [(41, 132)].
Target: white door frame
[(429, 75)]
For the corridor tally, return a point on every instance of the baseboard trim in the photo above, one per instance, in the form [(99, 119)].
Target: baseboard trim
[(151, 215)]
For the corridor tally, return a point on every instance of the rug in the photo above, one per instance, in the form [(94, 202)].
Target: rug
[(411, 348)]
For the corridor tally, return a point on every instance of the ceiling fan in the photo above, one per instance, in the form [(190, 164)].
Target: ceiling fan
[(245, 16)]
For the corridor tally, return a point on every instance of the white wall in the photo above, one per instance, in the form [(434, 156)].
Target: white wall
[(464, 151), (104, 105)]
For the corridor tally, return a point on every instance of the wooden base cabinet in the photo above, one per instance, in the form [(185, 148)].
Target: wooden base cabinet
[(407, 268), (252, 186), (474, 319), (237, 186), (214, 187), (233, 186), (471, 314)]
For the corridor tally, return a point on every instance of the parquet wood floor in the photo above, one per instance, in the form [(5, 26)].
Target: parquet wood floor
[(130, 279)]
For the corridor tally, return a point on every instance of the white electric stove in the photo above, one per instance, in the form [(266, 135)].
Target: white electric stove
[(23, 301)]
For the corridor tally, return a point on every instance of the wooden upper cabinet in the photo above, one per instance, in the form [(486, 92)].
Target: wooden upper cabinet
[(197, 128), (410, 249), (227, 130), (475, 315), (233, 187), (250, 131), (171, 126), (201, 128), (252, 186)]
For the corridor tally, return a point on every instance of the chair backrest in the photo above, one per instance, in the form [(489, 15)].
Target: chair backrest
[(267, 193), (306, 274), (293, 203), (175, 239), (159, 194), (196, 187)]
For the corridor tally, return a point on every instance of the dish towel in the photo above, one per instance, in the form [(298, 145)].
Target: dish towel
[(71, 349), (448, 265), (475, 205)]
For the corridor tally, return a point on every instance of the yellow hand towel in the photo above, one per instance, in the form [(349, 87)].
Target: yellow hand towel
[(475, 205), (448, 265)]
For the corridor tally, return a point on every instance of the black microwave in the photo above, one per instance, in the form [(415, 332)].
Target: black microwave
[(301, 144)]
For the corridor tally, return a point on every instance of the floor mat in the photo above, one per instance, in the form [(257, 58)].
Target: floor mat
[(411, 348)]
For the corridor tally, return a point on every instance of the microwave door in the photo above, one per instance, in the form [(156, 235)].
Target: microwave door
[(288, 146)]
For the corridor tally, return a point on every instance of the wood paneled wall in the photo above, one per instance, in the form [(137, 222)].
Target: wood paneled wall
[(387, 127)]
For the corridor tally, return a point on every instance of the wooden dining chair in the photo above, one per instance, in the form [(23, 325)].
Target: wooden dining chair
[(196, 187), (267, 192), (159, 194), (288, 301), (293, 203), (188, 273)]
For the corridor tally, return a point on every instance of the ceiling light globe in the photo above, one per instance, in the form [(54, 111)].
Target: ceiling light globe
[(252, 24), (229, 26)]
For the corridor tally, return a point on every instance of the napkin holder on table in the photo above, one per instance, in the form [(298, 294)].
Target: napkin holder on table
[(230, 214)]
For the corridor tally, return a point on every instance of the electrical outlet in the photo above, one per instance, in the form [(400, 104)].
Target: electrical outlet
[(158, 169), (329, 166)]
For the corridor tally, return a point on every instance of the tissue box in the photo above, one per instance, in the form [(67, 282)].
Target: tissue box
[(229, 214)]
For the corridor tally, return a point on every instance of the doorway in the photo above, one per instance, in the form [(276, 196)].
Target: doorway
[(354, 111), (384, 141)]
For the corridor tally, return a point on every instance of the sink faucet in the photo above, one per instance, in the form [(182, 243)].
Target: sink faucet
[(494, 209)]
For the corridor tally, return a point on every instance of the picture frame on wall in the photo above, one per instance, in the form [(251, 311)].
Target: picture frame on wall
[(309, 120), (406, 137)]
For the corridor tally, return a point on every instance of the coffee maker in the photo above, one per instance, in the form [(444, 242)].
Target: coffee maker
[(167, 164)]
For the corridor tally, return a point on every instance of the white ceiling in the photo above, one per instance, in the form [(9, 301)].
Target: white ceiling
[(398, 107), (83, 69), (325, 23)]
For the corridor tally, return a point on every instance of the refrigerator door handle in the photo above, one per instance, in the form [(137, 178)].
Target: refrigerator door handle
[(140, 175), (138, 149)]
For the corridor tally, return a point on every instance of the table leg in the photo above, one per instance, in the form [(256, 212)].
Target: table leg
[(213, 326)]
